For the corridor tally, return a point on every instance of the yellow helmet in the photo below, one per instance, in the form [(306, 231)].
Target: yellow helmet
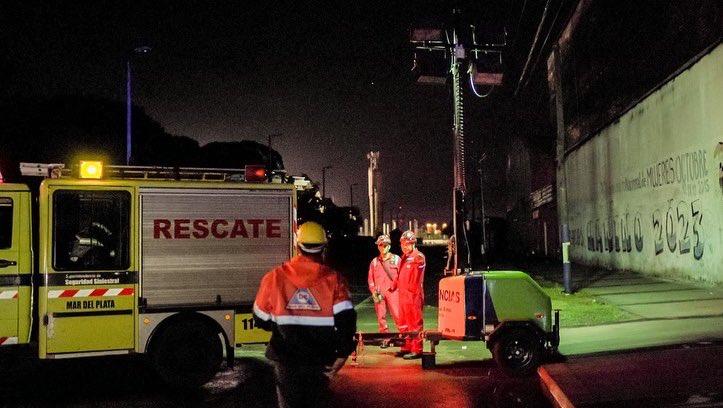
[(311, 237)]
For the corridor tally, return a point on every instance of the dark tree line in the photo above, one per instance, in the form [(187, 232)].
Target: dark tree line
[(66, 128)]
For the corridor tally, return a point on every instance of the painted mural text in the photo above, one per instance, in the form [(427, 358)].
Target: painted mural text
[(688, 169), (676, 227)]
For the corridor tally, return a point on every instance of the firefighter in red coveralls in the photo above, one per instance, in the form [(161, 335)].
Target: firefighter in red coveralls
[(383, 271), (307, 307), (410, 286)]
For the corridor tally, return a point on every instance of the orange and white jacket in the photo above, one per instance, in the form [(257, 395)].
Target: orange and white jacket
[(307, 307)]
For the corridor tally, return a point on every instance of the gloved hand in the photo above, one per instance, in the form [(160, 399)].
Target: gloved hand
[(335, 367)]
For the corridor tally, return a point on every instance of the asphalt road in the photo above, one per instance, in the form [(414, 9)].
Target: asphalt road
[(378, 380)]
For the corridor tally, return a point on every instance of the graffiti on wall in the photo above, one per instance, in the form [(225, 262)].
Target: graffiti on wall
[(687, 169), (674, 226), (646, 192)]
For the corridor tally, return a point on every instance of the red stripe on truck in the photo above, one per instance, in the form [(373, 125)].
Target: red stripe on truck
[(69, 293), (126, 292)]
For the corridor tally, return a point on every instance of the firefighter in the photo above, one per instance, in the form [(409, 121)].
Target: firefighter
[(307, 307), (383, 271), (410, 285), (93, 246)]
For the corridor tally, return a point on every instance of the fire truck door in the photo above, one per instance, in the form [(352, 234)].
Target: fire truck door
[(89, 299), (15, 267)]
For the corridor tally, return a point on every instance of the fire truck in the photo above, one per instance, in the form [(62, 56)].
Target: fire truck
[(122, 260)]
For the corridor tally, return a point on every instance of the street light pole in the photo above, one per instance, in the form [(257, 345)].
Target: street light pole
[(482, 203), (351, 194), (128, 111), (271, 137), (129, 135), (381, 213), (323, 181)]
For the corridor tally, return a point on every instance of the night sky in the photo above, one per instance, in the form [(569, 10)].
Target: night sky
[(331, 77)]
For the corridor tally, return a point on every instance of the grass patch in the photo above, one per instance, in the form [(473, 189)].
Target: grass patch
[(580, 309), (583, 308), (366, 320)]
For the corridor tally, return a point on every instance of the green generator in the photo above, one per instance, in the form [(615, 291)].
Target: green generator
[(507, 309)]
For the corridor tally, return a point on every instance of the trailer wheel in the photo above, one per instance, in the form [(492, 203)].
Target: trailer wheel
[(187, 354), (518, 352)]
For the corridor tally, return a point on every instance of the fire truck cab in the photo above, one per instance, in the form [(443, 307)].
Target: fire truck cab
[(125, 260)]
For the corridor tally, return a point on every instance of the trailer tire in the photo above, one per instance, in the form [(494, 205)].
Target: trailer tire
[(518, 351), (187, 354)]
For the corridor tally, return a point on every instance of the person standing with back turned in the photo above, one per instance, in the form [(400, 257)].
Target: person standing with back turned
[(307, 307)]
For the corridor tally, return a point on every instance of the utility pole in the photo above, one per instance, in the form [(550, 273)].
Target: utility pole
[(561, 175), (272, 137), (129, 99), (381, 212), (323, 180), (129, 104), (482, 204), (269, 139), (351, 194)]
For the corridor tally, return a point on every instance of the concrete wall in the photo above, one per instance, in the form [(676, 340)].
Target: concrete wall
[(646, 193)]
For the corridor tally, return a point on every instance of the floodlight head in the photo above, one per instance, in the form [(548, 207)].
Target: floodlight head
[(426, 35), (431, 68), (488, 78), (487, 69)]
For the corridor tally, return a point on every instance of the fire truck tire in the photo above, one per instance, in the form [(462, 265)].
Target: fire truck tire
[(518, 352), (187, 354)]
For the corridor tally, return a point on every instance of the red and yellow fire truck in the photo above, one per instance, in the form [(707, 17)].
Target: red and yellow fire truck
[(124, 260)]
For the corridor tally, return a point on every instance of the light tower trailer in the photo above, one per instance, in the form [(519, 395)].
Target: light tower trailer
[(506, 309), (129, 260)]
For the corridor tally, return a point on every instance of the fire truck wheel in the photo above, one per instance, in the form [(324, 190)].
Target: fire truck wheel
[(187, 354), (518, 352)]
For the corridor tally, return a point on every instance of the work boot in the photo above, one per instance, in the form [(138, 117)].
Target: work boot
[(412, 356)]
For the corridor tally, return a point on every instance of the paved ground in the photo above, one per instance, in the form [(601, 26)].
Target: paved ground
[(465, 377), (613, 365), (664, 314), (377, 380), (690, 376)]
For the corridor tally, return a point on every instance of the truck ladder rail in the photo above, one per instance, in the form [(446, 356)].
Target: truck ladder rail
[(181, 173), (58, 170)]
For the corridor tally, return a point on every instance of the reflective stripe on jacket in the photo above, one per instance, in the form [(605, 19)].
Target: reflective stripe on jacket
[(307, 307)]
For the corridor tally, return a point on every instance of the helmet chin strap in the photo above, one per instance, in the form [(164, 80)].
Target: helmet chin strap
[(311, 250)]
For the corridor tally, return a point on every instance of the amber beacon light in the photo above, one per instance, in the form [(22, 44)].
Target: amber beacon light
[(91, 169)]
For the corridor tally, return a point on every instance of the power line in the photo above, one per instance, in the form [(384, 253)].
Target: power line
[(519, 21), (542, 47), (532, 48)]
